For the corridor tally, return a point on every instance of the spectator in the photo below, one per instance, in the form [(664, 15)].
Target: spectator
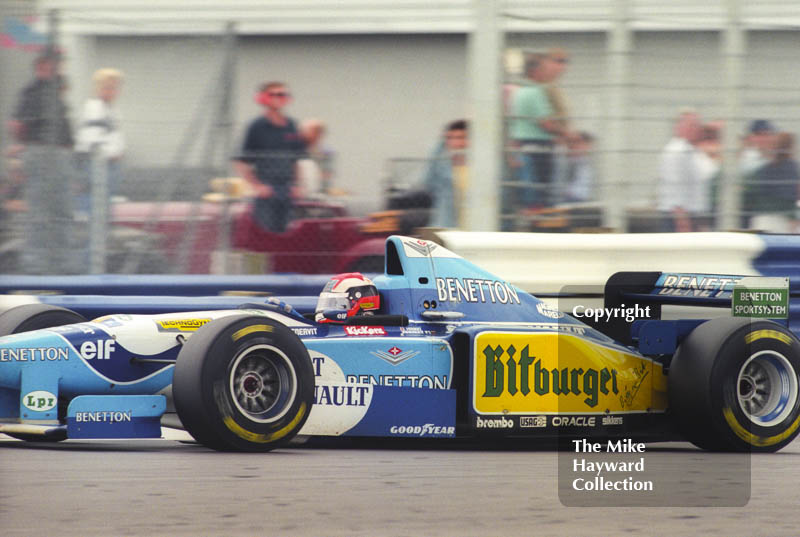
[(685, 175), (575, 170), (771, 198), (315, 171), (40, 117), (446, 178), (709, 144), (753, 156), (271, 148), (557, 61), (99, 132), (535, 127), (41, 124), (755, 148)]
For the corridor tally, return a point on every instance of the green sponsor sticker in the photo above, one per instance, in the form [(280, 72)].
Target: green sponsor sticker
[(761, 298)]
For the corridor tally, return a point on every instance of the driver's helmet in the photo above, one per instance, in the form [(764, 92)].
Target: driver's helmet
[(351, 293)]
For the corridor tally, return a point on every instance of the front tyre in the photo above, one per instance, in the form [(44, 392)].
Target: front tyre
[(30, 317), (734, 385), (243, 383)]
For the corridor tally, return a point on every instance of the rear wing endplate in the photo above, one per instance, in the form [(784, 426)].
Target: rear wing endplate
[(747, 296)]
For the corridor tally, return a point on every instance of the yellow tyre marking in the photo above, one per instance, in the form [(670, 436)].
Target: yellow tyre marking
[(241, 432), (769, 334), (754, 440), (239, 334)]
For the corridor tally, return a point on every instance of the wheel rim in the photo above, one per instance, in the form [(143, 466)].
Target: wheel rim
[(263, 384), (767, 388)]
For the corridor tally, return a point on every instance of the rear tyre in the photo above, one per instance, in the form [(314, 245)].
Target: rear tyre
[(35, 317), (243, 383), (734, 385)]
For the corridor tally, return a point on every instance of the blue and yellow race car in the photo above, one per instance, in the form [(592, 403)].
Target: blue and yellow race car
[(434, 347)]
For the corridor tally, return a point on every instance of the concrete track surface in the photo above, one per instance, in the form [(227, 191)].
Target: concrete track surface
[(165, 487)]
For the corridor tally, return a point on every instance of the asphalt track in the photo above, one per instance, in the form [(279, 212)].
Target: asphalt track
[(165, 487)]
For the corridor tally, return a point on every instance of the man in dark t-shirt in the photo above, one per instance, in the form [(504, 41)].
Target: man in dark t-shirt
[(41, 126), (40, 116), (272, 146)]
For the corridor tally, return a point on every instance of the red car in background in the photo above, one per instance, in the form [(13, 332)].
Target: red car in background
[(222, 237)]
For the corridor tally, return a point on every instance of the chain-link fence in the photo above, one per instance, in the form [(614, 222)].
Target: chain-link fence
[(89, 191), (669, 130), (172, 198)]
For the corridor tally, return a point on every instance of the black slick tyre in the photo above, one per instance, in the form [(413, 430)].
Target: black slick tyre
[(734, 385), (35, 317), (243, 383)]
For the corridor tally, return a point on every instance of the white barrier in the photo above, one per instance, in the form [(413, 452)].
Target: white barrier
[(546, 262)]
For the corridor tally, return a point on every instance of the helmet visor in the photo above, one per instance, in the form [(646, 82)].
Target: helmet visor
[(333, 301)]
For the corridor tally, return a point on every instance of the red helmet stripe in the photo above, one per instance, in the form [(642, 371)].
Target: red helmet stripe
[(366, 303)]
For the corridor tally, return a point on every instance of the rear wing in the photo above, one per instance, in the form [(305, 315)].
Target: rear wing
[(746, 296)]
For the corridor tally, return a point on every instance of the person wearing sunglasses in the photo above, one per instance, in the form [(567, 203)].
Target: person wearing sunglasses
[(271, 149)]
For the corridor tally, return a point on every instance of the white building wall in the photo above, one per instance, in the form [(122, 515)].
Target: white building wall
[(405, 16)]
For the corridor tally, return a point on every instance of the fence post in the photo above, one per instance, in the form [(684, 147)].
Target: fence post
[(619, 50), (733, 45), (485, 130), (216, 151), (98, 219)]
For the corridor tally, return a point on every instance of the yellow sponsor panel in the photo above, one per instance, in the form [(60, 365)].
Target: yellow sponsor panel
[(181, 325), (525, 373)]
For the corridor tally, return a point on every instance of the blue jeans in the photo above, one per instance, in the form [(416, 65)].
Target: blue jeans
[(536, 174)]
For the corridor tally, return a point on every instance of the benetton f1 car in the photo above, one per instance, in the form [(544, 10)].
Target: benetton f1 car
[(452, 351)]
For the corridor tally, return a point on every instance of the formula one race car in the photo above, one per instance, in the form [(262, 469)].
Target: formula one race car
[(434, 347)]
